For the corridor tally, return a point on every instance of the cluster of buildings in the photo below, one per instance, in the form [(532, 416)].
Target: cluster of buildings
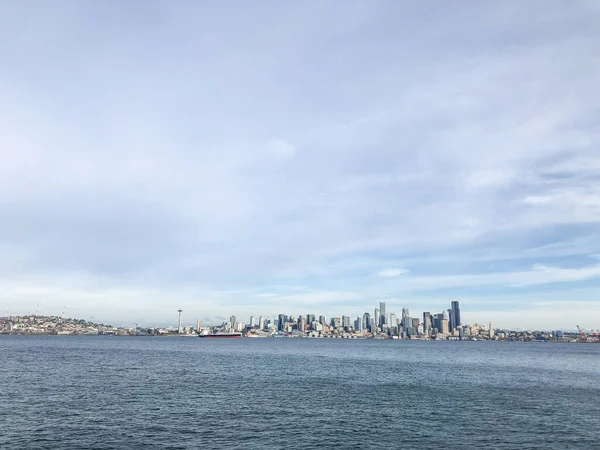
[(384, 324), (35, 324), (379, 324)]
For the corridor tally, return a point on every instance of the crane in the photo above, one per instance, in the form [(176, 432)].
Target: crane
[(582, 335)]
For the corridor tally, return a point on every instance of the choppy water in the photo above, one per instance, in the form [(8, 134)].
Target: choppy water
[(109, 392)]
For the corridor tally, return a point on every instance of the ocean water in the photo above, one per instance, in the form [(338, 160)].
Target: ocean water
[(178, 393)]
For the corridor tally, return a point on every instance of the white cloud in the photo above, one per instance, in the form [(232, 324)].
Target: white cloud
[(481, 146), (391, 272), (282, 148)]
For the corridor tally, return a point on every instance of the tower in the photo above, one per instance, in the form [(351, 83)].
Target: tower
[(179, 330), (382, 312), (456, 315)]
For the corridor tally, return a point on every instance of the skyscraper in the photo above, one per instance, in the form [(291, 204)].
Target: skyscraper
[(426, 321), (450, 320), (281, 319), (358, 324), (376, 316), (252, 322), (366, 320), (393, 321), (444, 326), (346, 321), (437, 322), (382, 315), (456, 315), (302, 323), (261, 323)]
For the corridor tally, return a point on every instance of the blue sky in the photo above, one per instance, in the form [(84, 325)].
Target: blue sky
[(300, 157)]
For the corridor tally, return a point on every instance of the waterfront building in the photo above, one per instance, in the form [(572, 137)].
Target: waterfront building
[(382, 314)]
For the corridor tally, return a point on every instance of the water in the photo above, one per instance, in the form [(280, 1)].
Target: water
[(176, 393)]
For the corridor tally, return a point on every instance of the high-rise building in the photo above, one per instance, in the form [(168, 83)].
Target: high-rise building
[(406, 319), (358, 324), (346, 321), (252, 322), (323, 320), (261, 323), (281, 319), (444, 326), (302, 323), (336, 322), (437, 321), (426, 322), (376, 317), (415, 322), (382, 314), (456, 314), (393, 321), (310, 318), (450, 320), (366, 320)]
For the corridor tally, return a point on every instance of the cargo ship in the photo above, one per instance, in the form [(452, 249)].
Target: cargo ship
[(221, 335)]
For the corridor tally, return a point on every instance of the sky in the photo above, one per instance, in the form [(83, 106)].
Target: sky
[(265, 157)]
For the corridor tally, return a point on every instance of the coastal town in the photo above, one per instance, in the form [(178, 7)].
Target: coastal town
[(446, 325)]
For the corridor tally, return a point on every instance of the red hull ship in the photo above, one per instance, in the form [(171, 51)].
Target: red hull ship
[(221, 335)]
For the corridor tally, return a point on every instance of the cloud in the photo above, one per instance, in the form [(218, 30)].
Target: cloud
[(391, 272), (468, 156), (282, 148)]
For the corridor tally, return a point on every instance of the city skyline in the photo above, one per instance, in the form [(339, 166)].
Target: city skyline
[(307, 154), (429, 318)]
